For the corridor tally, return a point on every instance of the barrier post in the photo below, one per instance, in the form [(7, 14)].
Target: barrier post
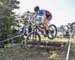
[(69, 46)]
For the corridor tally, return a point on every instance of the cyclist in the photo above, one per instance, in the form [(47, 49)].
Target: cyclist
[(46, 14)]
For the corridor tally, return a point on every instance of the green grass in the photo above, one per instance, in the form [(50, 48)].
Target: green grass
[(9, 45), (1, 50), (45, 38), (56, 39)]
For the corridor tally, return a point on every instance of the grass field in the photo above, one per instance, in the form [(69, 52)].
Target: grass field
[(40, 54), (43, 39)]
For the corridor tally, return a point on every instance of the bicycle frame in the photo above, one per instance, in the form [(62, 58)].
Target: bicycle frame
[(40, 29)]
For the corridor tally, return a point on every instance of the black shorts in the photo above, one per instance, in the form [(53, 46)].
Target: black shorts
[(48, 17)]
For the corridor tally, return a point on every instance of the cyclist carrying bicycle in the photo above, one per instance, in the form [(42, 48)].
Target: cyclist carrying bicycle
[(46, 14)]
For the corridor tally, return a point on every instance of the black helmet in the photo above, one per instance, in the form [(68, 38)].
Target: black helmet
[(28, 11), (36, 8)]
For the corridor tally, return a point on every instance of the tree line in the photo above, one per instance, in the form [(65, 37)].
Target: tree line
[(7, 16)]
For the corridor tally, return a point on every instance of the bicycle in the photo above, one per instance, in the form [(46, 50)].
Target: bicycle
[(34, 37)]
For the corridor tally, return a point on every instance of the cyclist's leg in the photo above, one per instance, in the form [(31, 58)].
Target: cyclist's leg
[(46, 26), (48, 19), (30, 29)]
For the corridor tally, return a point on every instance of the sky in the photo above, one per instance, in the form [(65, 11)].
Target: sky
[(63, 11)]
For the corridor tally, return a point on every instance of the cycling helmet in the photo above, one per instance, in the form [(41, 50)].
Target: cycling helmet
[(28, 11), (36, 8)]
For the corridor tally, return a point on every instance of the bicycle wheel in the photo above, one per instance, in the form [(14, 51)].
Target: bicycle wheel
[(32, 41), (52, 31)]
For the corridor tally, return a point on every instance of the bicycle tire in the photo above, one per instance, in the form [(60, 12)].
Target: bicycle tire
[(51, 33), (34, 42)]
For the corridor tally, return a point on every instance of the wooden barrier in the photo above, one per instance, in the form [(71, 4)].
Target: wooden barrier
[(48, 43)]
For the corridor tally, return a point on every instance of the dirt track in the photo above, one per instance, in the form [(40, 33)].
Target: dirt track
[(17, 53), (41, 54)]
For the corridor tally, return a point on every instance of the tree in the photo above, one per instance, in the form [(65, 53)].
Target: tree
[(6, 15)]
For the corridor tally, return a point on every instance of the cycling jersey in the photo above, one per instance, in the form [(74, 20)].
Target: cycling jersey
[(47, 13), (42, 12)]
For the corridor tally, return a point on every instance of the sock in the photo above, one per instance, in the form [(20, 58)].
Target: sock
[(47, 31), (30, 29)]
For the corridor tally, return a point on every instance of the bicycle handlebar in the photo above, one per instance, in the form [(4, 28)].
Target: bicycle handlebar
[(37, 20)]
